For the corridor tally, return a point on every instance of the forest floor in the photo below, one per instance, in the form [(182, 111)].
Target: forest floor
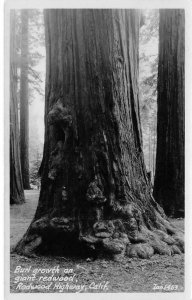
[(157, 274)]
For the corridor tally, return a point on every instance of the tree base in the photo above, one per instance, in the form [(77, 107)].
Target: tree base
[(113, 238)]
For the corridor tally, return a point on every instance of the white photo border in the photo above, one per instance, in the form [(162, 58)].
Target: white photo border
[(102, 4)]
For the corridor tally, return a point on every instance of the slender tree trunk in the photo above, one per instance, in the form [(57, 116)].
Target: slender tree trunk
[(16, 185), (24, 105), (169, 178), (95, 195)]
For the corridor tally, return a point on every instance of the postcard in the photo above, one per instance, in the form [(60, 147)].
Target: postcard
[(97, 115)]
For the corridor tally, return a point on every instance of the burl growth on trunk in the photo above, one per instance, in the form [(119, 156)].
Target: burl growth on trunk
[(95, 222)]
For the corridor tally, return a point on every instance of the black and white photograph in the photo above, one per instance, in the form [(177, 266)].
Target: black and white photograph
[(96, 150)]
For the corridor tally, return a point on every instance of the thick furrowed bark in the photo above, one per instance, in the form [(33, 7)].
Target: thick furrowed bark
[(95, 195)]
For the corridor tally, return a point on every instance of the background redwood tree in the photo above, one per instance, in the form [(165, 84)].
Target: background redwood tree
[(169, 177), (30, 39), (24, 100), (16, 184), (95, 194)]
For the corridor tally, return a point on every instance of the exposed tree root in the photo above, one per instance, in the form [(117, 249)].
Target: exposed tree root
[(115, 237)]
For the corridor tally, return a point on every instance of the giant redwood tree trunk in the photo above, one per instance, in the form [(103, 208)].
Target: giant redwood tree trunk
[(95, 195), (24, 105), (16, 185), (169, 178)]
